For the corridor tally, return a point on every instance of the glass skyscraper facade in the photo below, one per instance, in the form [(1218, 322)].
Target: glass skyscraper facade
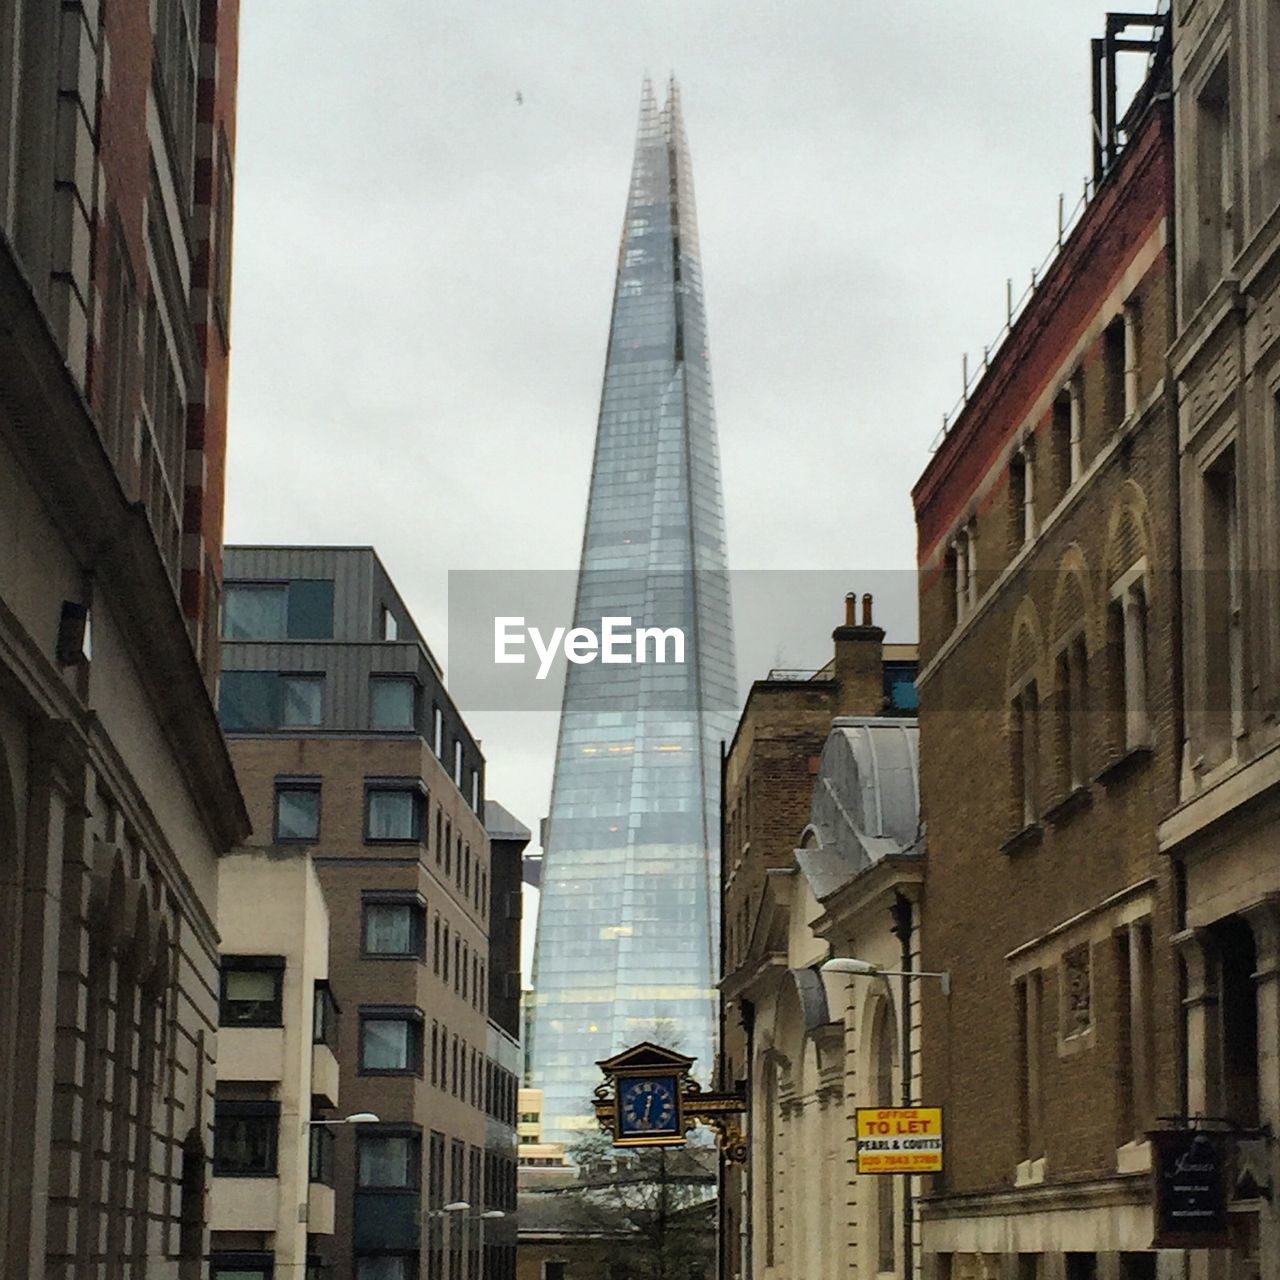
[(628, 924)]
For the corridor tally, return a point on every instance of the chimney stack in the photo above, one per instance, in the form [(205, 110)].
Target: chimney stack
[(858, 669)]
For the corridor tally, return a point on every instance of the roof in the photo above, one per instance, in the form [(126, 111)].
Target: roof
[(502, 824), (866, 800)]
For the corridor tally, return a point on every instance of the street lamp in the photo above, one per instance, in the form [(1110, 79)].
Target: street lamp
[(865, 968), (356, 1117)]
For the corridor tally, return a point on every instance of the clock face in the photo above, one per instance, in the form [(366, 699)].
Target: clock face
[(648, 1106)]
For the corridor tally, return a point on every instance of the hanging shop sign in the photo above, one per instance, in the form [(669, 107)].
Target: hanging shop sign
[(899, 1139), (1190, 1189)]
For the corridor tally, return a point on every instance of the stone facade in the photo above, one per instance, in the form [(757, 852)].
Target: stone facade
[(1220, 835), (1050, 743), (116, 793), (771, 768)]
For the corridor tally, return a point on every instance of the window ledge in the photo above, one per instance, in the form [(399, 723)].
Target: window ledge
[(1125, 765), (1075, 801), (1134, 1157), (1029, 1173), (1028, 838)]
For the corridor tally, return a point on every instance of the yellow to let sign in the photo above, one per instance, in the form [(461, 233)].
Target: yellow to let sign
[(899, 1139)]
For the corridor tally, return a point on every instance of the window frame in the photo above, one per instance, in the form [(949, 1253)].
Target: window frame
[(413, 902), (269, 1113), (322, 1151), (386, 678), (240, 1261), (297, 785), (412, 1016), (383, 1132), (326, 1015), (274, 965), (421, 797)]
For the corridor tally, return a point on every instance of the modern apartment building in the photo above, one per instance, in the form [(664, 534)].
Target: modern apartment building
[(351, 752), (627, 918), (821, 827), (116, 792), (1221, 832), (1050, 748), (271, 1210)]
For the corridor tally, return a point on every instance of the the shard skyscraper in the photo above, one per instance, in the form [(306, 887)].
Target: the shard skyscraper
[(628, 925)]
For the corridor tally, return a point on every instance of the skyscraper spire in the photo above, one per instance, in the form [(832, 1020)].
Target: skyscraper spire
[(627, 940)]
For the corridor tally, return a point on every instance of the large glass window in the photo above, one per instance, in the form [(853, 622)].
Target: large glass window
[(386, 1266), (388, 1161), (259, 701), (393, 813), (301, 701), (392, 703), (240, 1266), (321, 1156), (297, 812), (255, 611), (251, 989), (297, 610), (393, 928), (390, 1041), (244, 1139)]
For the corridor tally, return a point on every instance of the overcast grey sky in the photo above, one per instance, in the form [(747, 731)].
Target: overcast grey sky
[(424, 266)]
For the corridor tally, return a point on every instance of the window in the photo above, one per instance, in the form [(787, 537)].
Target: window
[(244, 1139), (388, 1161), (1022, 521), (1027, 992), (1113, 372), (301, 699), (1213, 182), (394, 926), (448, 847), (297, 811), (251, 991), (324, 1019), (457, 763), (297, 610), (240, 1266), (1127, 649), (475, 789), (554, 1270), (1065, 440), (386, 1266), (390, 627), (321, 1155), (222, 214), (392, 703), (435, 943), (435, 1053), (393, 813), (1223, 639), (258, 701), (1070, 694), (1024, 750), (439, 732), (390, 1041)]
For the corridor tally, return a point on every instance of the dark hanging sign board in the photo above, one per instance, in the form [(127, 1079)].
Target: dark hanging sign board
[(1189, 1168)]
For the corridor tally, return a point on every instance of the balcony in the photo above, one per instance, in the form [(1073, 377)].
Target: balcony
[(320, 1202), (251, 1053), (245, 1204), (324, 1078)]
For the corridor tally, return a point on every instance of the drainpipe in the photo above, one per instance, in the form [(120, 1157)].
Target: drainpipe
[(748, 1012), (903, 912)]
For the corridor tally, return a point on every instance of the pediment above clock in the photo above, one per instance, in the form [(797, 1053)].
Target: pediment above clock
[(647, 1057)]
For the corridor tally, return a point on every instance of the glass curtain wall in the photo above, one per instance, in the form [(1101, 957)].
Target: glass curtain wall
[(627, 942)]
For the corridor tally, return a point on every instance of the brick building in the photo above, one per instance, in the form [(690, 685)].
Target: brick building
[(771, 769), (116, 792), (350, 751), (1220, 835), (1050, 745)]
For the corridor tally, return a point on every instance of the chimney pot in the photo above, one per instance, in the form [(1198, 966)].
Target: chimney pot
[(866, 609), (850, 609)]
